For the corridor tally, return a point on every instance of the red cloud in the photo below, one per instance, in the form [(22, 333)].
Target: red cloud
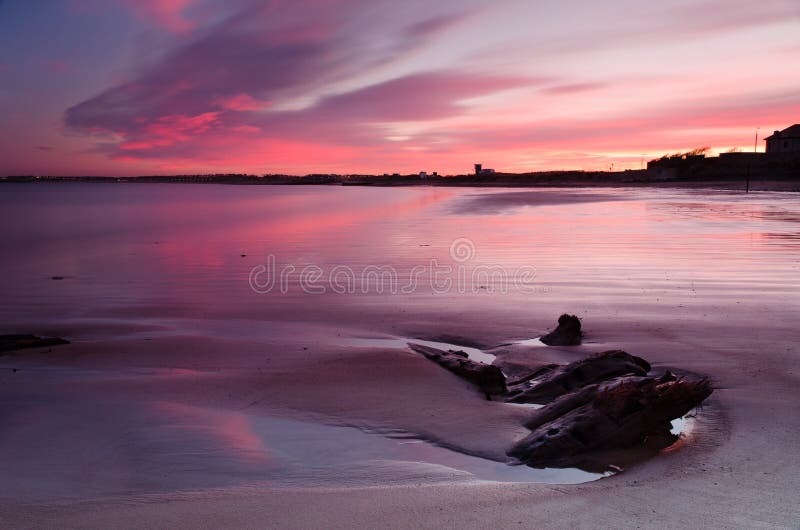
[(169, 130)]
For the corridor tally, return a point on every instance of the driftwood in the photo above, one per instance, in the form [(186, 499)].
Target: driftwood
[(594, 406), (567, 333), (488, 378), (619, 416), (18, 342), (550, 384), (569, 402)]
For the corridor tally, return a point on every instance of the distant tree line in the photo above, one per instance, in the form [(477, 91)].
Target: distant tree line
[(699, 152)]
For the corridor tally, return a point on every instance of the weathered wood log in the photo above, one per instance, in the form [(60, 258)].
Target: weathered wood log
[(18, 342), (488, 378), (569, 402), (567, 333), (561, 406), (553, 383), (619, 416)]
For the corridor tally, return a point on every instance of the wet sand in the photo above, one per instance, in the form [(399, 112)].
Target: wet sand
[(736, 469), (151, 421)]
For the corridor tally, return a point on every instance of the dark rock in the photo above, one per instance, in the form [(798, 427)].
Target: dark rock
[(617, 416), (567, 333), (568, 402), (57, 277), (17, 342), (539, 372), (561, 406), (488, 378), (546, 385)]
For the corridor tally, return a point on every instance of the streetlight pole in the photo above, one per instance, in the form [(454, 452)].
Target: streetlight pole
[(755, 150)]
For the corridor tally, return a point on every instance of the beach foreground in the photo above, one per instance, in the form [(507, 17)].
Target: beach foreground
[(165, 411)]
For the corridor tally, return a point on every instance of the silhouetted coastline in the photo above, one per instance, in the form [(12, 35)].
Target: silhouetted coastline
[(730, 170)]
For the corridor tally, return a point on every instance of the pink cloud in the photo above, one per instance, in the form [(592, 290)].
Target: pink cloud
[(338, 124), (663, 22), (169, 130), (348, 134), (169, 14), (572, 88), (290, 55), (231, 74), (242, 102), (218, 99), (418, 97)]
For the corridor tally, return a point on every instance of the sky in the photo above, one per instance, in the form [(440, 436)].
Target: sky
[(151, 87)]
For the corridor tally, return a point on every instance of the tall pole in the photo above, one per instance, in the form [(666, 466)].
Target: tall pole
[(755, 150)]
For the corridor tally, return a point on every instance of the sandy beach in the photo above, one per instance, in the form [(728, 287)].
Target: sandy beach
[(204, 404)]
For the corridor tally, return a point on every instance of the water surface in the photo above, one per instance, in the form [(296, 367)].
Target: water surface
[(146, 263)]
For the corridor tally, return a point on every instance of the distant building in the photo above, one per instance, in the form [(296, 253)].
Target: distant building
[(480, 171), (785, 141), (423, 175)]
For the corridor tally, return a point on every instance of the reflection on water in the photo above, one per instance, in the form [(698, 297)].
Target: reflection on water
[(150, 261), (320, 454), (176, 251), (77, 448)]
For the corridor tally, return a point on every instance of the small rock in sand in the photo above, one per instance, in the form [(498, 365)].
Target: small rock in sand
[(568, 332)]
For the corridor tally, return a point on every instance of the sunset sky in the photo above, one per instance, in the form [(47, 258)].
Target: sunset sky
[(129, 87)]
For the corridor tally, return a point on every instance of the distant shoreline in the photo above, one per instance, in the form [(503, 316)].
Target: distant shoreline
[(553, 179)]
